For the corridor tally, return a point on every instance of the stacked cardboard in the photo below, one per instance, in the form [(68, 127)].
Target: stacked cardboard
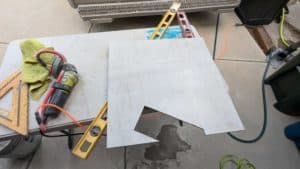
[(107, 10)]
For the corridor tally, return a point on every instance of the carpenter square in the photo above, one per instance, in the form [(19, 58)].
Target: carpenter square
[(17, 118)]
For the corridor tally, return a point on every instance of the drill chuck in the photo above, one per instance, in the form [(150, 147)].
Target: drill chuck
[(62, 90)]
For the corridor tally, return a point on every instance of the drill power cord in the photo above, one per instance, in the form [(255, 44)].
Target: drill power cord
[(40, 114), (66, 134), (74, 120), (56, 53), (265, 110)]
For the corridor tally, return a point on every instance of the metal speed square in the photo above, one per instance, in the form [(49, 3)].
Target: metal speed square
[(17, 117)]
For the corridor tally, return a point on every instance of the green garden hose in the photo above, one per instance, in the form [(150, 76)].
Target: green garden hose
[(234, 160), (265, 111)]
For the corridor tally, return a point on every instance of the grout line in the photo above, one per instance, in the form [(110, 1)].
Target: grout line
[(3, 43), (91, 28), (125, 158), (216, 36), (239, 60), (30, 161)]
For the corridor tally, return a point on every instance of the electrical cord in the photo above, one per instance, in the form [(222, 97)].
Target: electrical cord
[(66, 134), (265, 111), (282, 38), (74, 120), (43, 51), (61, 135)]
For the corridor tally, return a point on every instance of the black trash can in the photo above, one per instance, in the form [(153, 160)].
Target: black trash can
[(259, 12), (285, 83)]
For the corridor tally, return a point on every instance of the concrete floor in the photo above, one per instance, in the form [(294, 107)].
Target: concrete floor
[(238, 57)]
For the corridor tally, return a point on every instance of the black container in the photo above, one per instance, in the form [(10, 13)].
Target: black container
[(285, 83), (259, 12)]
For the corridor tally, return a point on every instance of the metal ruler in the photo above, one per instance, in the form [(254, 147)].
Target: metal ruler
[(17, 118), (92, 135), (162, 27), (185, 25)]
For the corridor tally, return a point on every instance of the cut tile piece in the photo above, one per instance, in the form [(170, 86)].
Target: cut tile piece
[(235, 42), (177, 77), (34, 18)]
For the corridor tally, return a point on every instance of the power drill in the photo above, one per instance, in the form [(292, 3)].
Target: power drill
[(67, 77), (62, 90)]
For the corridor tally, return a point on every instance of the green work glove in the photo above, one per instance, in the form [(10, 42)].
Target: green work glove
[(33, 73)]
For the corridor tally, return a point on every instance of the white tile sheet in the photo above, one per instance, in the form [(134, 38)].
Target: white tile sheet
[(177, 77)]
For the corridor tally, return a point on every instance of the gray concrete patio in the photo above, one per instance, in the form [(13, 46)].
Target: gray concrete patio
[(239, 59)]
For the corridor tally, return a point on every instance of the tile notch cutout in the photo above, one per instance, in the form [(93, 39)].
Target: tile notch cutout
[(152, 121)]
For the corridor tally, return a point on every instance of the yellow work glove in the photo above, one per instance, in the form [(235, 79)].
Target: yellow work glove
[(33, 73)]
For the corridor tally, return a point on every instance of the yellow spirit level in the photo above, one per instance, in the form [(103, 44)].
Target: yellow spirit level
[(91, 136), (162, 27)]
